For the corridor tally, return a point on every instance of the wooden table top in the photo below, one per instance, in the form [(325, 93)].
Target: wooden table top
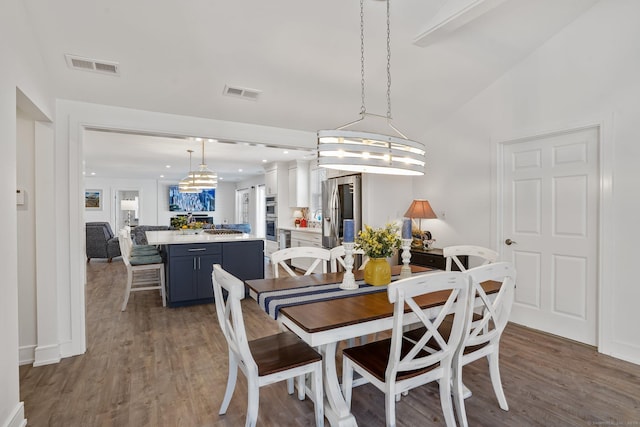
[(327, 315), (288, 282)]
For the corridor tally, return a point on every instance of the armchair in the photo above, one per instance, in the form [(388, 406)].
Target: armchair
[(101, 243)]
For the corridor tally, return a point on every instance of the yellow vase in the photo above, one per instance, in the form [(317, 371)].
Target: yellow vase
[(377, 272)]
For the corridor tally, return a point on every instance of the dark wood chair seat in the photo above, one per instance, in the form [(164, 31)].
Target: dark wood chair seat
[(280, 352), (374, 357)]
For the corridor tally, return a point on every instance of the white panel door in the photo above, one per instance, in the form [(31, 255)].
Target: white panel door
[(550, 212)]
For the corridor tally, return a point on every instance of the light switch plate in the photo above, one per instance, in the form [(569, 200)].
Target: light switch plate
[(20, 196)]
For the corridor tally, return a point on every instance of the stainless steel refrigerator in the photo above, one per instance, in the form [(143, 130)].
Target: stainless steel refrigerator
[(341, 199)]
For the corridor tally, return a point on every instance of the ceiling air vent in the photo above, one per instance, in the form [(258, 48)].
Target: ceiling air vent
[(88, 64), (242, 92)]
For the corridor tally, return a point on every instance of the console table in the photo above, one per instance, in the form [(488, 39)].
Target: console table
[(433, 258)]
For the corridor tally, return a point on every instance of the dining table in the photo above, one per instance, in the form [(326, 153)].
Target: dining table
[(322, 314)]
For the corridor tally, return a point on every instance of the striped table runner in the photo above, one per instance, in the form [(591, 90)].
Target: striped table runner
[(272, 301)]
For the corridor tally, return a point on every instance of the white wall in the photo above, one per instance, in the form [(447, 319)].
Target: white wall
[(586, 74), (154, 200), (22, 68), (385, 198), (148, 199), (25, 158)]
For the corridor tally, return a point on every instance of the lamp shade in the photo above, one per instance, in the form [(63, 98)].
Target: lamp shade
[(420, 209), (128, 205)]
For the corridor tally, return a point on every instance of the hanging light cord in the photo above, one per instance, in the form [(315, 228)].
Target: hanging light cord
[(363, 109), (190, 174), (388, 61)]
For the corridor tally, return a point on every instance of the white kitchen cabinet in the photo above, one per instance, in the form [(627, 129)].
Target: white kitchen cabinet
[(305, 238), (316, 176), (277, 184), (271, 182), (299, 184)]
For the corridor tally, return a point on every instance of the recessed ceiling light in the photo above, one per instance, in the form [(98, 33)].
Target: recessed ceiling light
[(264, 160), (161, 176), (286, 152), (93, 173), (168, 166), (239, 170), (220, 178)]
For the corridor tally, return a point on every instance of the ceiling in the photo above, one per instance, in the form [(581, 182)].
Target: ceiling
[(135, 156), (303, 57)]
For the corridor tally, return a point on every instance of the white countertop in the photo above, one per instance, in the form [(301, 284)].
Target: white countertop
[(171, 237), (303, 229)]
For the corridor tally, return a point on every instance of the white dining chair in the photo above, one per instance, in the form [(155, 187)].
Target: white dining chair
[(395, 365), (320, 256), (451, 253), (337, 255), (265, 360), (482, 333), (145, 272)]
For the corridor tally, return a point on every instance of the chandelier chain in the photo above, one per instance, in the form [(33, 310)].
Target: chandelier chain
[(388, 61), (363, 109)]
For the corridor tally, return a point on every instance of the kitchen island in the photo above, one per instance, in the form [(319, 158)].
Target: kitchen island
[(189, 259)]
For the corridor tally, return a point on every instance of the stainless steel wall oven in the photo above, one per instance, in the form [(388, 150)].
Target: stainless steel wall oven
[(271, 228), (271, 206)]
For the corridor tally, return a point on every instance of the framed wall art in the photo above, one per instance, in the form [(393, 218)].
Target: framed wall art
[(93, 200)]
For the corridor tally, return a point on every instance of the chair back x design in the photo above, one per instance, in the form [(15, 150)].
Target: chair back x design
[(397, 365), (265, 360), (337, 258), (451, 253), (320, 256)]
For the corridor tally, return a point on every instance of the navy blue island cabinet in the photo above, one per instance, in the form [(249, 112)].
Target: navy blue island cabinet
[(188, 267)]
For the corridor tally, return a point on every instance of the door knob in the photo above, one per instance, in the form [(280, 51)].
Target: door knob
[(510, 242)]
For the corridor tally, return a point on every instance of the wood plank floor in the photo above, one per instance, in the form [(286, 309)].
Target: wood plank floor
[(154, 366)]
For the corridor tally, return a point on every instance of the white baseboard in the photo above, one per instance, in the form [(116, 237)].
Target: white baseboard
[(46, 355), (623, 351), (26, 354), (17, 419)]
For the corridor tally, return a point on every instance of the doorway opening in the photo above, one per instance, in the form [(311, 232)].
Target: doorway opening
[(126, 208)]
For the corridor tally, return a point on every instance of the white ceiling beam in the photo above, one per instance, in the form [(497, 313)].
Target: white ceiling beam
[(453, 15)]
